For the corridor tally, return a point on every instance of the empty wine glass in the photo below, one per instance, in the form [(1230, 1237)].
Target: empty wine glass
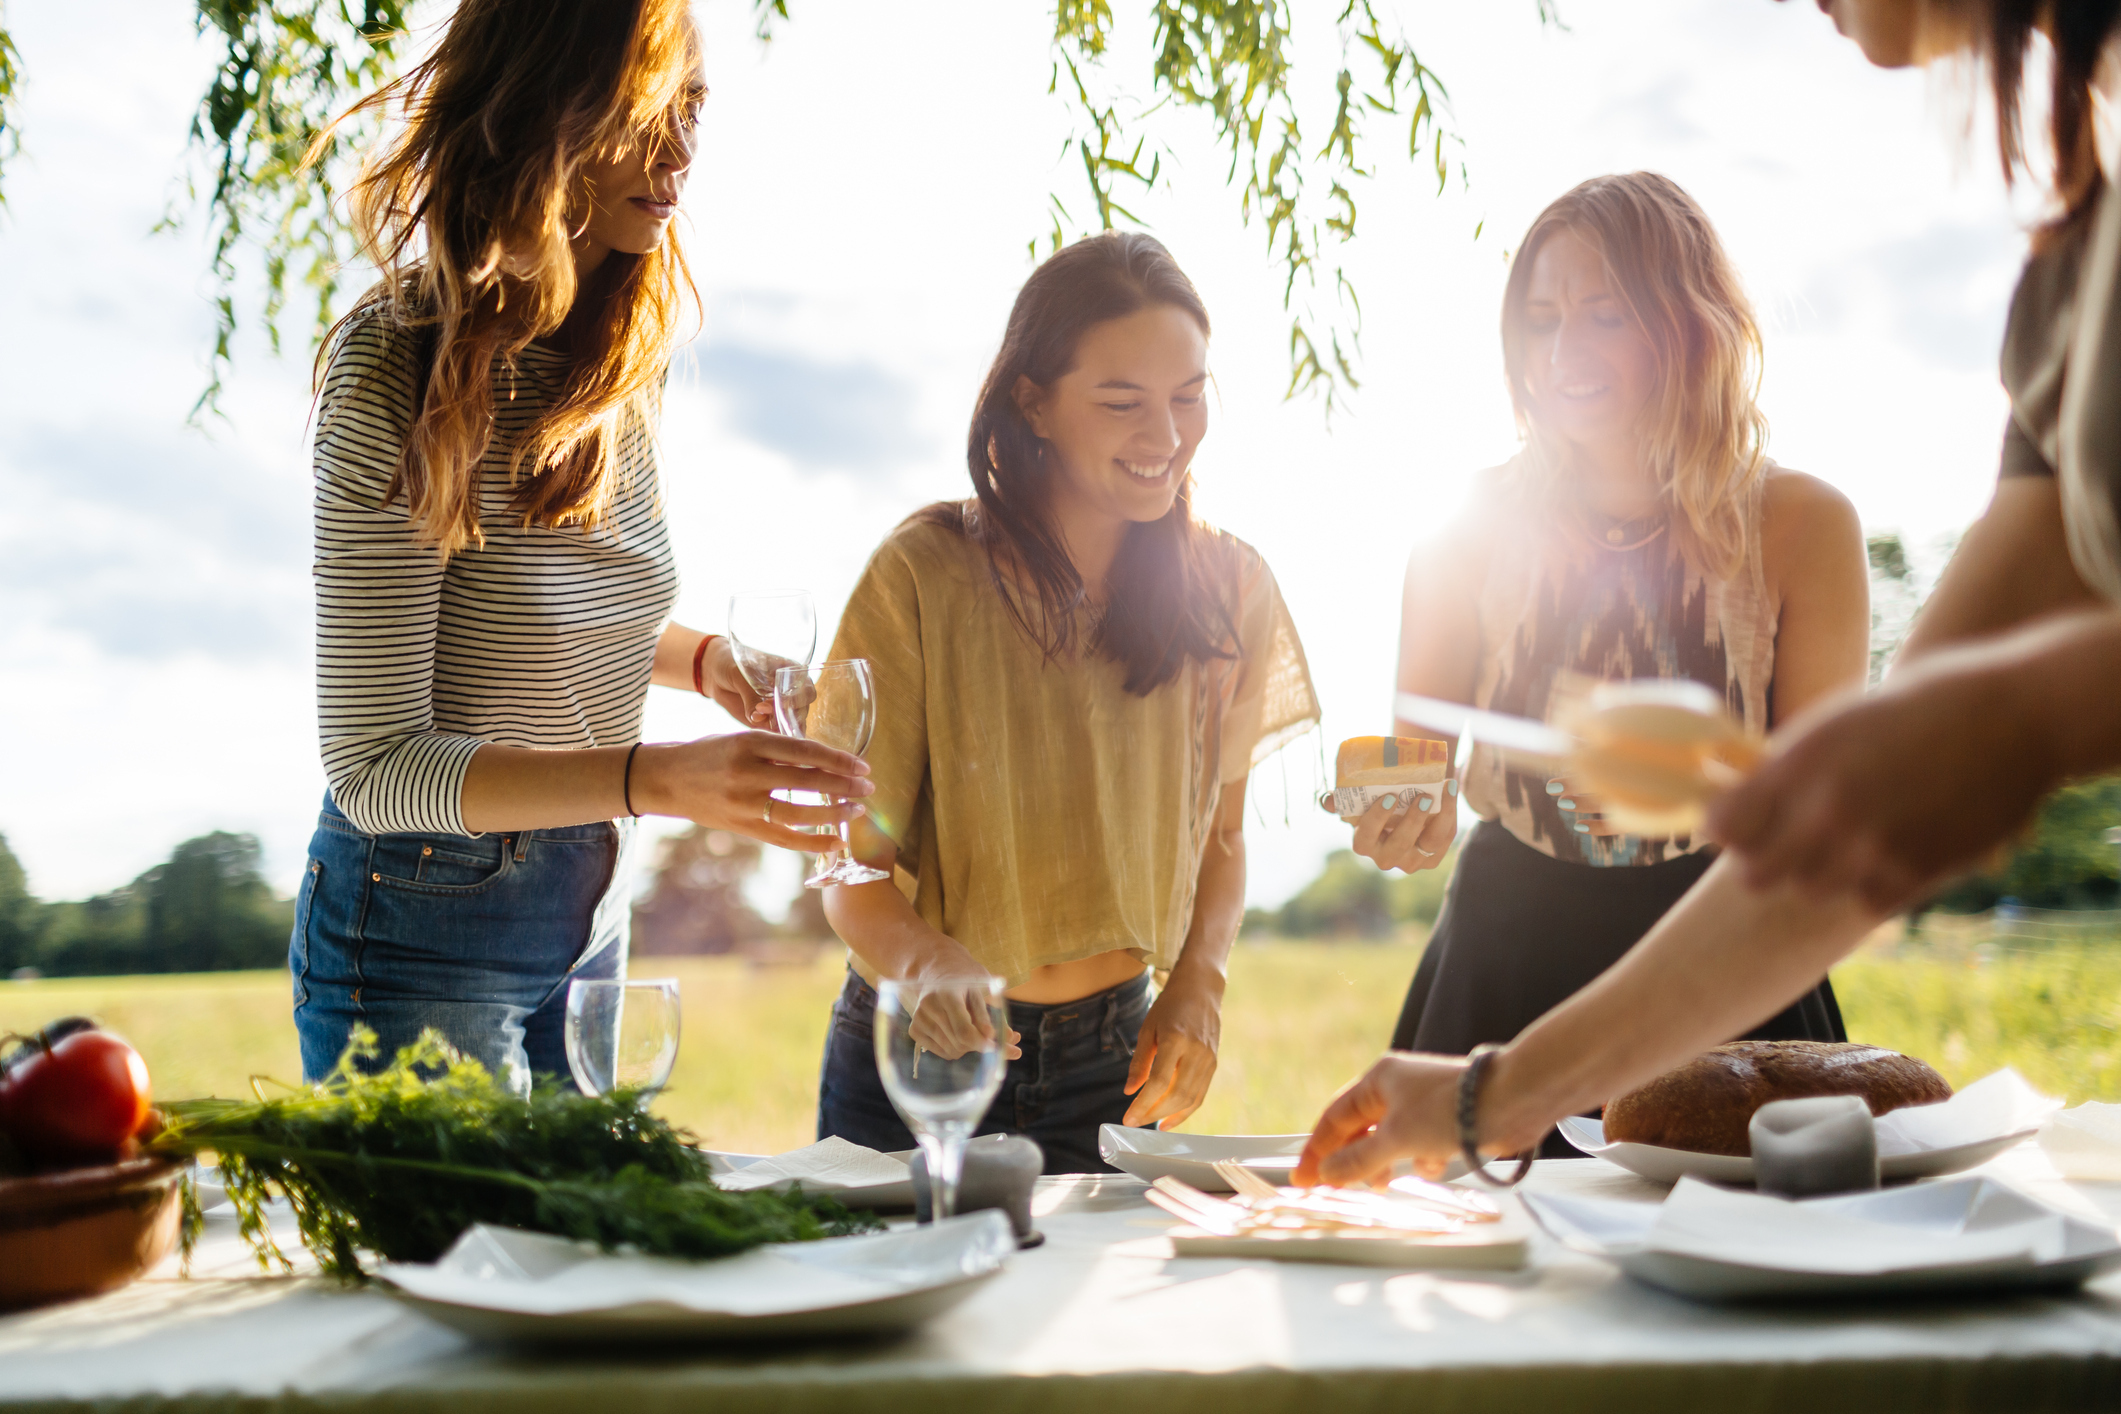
[(835, 703), (622, 1035), (771, 629), (940, 1096)]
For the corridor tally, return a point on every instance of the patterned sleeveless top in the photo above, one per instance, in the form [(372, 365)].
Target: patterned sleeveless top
[(1561, 610)]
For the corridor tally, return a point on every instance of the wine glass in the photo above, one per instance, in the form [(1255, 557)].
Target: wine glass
[(942, 1098), (771, 629), (622, 1035), (835, 703)]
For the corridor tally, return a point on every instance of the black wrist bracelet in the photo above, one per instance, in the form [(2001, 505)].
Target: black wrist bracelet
[(628, 786), (1468, 1126)]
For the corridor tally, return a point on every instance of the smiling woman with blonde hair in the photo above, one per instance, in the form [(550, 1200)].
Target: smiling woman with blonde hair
[(1642, 533), (493, 576)]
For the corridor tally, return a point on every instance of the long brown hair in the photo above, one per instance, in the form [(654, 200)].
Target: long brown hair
[(1998, 34), (469, 212), (1166, 601), (1706, 437)]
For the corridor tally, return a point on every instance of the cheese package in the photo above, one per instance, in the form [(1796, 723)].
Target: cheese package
[(1398, 772)]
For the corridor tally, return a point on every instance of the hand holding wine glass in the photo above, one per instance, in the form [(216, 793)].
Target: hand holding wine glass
[(835, 705), (770, 629), (939, 1053)]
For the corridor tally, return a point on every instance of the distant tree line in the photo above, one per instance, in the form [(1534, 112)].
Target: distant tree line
[(1353, 898), (204, 909)]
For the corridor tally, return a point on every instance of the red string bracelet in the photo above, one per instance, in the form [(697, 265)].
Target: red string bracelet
[(699, 659)]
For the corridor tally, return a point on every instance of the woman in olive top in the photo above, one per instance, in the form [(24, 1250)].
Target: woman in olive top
[(2005, 689), (1074, 676)]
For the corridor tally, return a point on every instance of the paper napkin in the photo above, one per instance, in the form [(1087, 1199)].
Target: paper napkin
[(830, 1165), (2085, 1143)]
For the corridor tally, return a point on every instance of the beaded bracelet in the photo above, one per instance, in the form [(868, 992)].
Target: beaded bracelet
[(1469, 1130)]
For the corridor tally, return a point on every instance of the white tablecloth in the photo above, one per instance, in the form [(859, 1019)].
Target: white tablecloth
[(1102, 1318)]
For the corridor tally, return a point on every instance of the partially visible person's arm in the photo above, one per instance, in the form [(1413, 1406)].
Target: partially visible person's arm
[(1812, 549), (881, 927), (1175, 1056), (1859, 810), (2013, 566), (1892, 794), (1724, 959), (1439, 656), (719, 674)]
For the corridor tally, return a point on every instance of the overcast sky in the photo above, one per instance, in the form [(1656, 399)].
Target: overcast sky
[(859, 217)]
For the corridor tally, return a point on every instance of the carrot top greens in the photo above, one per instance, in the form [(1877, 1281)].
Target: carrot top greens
[(399, 1162)]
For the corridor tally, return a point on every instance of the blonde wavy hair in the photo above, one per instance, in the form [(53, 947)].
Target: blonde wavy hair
[(469, 212), (1705, 436)]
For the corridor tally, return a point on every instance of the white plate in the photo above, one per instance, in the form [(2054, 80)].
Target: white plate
[(1156, 1153), (1943, 1216), (1670, 1165), (503, 1284), (895, 1197)]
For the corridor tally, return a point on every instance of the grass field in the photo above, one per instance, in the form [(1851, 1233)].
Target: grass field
[(1301, 1019)]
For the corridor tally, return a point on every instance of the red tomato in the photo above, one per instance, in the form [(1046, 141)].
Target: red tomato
[(82, 1098)]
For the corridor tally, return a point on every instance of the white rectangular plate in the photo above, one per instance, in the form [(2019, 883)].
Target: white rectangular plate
[(527, 1287), (1481, 1247), (1151, 1154)]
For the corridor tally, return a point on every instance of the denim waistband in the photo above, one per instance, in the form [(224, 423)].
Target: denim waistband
[(1026, 1015), (333, 818)]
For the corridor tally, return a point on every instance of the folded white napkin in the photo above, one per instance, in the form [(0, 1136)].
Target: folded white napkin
[(827, 1166), (535, 1273), (1992, 1106), (1950, 1223), (2085, 1143)]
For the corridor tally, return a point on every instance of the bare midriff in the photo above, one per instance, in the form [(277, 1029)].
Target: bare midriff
[(1084, 977)]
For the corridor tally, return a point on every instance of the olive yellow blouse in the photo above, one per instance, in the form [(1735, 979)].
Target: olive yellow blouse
[(1044, 813)]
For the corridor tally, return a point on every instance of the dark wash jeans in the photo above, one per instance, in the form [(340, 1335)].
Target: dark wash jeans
[(477, 938), (1066, 1083)]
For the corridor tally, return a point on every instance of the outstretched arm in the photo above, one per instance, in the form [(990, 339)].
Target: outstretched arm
[(1861, 807)]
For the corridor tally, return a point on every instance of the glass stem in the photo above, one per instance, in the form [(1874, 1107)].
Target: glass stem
[(946, 1165)]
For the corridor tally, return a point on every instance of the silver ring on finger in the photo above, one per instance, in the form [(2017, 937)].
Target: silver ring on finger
[(1425, 853), (769, 810)]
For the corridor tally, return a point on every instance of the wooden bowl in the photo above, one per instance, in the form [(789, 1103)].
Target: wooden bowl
[(87, 1230)]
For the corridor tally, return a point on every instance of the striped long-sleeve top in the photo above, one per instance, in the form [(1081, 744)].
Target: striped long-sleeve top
[(541, 638)]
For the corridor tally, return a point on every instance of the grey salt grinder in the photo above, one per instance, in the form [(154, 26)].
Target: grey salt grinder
[(999, 1172), (1811, 1147)]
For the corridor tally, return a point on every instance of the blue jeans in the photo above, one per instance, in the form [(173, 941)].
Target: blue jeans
[(477, 938), (1064, 1085)]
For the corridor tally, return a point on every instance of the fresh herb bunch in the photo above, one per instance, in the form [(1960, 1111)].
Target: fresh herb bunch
[(400, 1162)]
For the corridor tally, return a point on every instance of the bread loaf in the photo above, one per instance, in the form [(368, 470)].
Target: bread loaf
[(1369, 769), (1706, 1105)]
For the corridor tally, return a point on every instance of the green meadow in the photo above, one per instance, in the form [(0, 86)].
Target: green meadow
[(1301, 1019)]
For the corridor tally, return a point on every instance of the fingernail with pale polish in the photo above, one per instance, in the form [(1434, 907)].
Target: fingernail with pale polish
[(1566, 803), (1583, 829), (1555, 787)]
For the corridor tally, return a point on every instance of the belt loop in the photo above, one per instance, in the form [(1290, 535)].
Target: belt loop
[(1108, 1029), (523, 844)]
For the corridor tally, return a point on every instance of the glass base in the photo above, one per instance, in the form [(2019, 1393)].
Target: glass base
[(842, 869)]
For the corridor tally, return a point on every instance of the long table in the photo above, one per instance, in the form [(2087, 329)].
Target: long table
[(1102, 1318)]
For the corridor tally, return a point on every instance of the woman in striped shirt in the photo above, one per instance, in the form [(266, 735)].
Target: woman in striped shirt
[(493, 575)]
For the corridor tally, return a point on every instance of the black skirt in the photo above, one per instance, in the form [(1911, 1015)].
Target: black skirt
[(1521, 932)]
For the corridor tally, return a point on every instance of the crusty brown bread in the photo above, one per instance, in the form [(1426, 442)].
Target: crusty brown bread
[(1706, 1105)]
